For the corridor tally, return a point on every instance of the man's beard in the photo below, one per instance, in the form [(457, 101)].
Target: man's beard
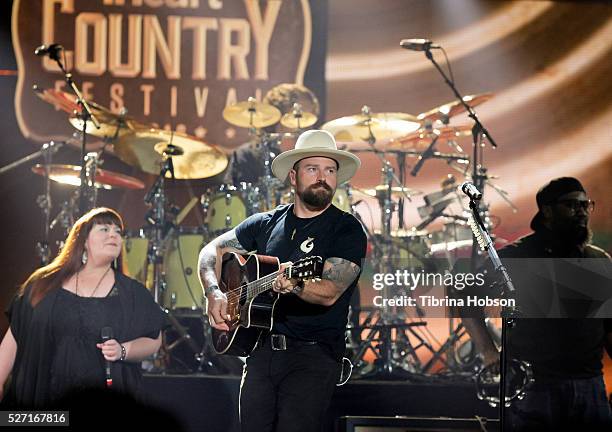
[(574, 234), (317, 196)]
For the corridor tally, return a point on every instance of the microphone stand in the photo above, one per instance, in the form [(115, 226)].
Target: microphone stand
[(509, 314), (479, 177), (468, 108), (478, 132), (85, 115)]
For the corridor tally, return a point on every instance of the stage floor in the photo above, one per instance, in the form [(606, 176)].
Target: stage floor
[(207, 403)]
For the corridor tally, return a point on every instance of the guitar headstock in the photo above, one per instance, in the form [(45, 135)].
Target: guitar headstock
[(306, 269)]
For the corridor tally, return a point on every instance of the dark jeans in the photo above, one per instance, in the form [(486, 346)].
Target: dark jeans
[(561, 404), (287, 391)]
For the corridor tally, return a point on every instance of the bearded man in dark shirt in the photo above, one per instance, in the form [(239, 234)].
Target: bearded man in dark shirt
[(290, 376), (565, 353)]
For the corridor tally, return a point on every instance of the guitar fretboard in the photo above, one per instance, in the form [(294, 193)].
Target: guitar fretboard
[(263, 284)]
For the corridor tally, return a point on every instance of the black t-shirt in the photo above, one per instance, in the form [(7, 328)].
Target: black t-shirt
[(333, 233), (561, 347)]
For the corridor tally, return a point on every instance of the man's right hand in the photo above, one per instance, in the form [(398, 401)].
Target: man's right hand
[(217, 309)]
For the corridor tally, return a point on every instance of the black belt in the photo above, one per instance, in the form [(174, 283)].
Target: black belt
[(281, 342)]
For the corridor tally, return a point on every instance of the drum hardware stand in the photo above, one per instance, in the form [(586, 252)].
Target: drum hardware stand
[(44, 200), (205, 355), (387, 366), (209, 361), (42, 247), (91, 163), (45, 204), (156, 218), (427, 153), (65, 217), (382, 322), (448, 348), (401, 164), (85, 115), (184, 336), (297, 112), (271, 185)]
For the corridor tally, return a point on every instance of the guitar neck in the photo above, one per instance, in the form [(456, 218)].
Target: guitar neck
[(263, 284)]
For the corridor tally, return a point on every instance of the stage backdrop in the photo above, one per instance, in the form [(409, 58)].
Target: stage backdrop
[(174, 63)]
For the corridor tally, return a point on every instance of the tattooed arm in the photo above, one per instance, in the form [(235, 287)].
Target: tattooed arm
[(338, 274), (210, 255), (209, 263)]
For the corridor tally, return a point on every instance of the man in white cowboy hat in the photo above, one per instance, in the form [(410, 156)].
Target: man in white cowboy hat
[(290, 376)]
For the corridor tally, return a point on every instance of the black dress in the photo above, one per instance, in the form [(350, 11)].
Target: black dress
[(77, 322), (56, 341)]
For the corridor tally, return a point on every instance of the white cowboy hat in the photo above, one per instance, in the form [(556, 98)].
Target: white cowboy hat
[(316, 143)]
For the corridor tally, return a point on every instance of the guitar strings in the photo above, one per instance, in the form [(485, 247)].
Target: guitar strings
[(241, 292)]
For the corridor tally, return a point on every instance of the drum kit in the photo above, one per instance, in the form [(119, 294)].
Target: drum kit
[(397, 340), (163, 254)]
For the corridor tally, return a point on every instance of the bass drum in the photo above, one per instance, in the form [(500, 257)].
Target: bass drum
[(135, 246), (183, 293)]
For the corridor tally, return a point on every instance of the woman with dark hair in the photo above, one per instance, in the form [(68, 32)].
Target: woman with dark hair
[(57, 319)]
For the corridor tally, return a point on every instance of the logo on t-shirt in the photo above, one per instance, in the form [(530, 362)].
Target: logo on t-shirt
[(307, 245)]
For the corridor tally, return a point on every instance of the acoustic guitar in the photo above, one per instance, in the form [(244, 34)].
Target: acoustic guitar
[(247, 283)]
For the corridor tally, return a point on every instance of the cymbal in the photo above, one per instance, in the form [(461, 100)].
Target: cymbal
[(454, 108), (421, 138), (105, 179), (251, 113), (298, 120), (384, 126), (381, 190), (284, 96), (192, 159), (109, 121)]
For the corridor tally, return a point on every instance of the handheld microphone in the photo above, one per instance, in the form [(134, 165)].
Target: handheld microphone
[(51, 50), (107, 334), (470, 190), (418, 44)]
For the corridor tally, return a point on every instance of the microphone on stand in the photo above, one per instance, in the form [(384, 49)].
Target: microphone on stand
[(51, 50), (418, 44), (471, 191), (107, 334)]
